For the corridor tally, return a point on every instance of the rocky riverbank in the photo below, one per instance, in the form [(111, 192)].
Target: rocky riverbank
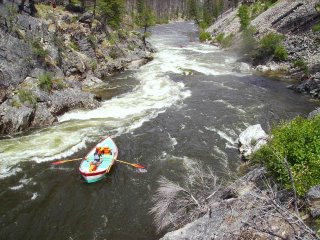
[(51, 62), (295, 20), (252, 207)]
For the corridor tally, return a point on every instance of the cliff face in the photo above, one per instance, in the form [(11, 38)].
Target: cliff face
[(50, 62), (293, 19), (243, 211)]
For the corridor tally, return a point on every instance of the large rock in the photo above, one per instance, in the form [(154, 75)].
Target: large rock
[(314, 113), (43, 116), (13, 119), (251, 139), (68, 99), (313, 198), (246, 213)]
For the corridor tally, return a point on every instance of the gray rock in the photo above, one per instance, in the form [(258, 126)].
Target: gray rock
[(251, 139), (14, 119), (313, 198), (233, 218), (314, 113), (86, 18), (43, 116), (67, 99)]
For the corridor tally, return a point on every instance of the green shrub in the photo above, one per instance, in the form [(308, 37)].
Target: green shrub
[(299, 142), (45, 81), (302, 65), (281, 53), (225, 41), (38, 50), (204, 36), (74, 46), (244, 15), (26, 96), (219, 38), (316, 27), (268, 46)]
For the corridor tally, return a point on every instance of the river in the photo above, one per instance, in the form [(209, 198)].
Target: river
[(185, 106)]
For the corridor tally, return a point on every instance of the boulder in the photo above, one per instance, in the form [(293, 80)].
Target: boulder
[(43, 116), (314, 113), (86, 18), (13, 119), (251, 139), (92, 82), (242, 67), (68, 99), (313, 199)]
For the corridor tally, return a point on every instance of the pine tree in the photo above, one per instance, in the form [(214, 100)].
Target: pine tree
[(112, 12)]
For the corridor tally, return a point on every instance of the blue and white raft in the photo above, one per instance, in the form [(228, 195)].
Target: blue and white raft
[(107, 160)]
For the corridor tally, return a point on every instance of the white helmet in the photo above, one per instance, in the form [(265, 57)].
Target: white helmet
[(99, 145)]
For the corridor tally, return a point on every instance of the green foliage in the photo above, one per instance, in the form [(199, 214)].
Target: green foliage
[(220, 37), (225, 41), (26, 96), (45, 81), (93, 65), (280, 53), (302, 65), (269, 44), (11, 16), (260, 6), (93, 40), (204, 36), (299, 142), (244, 15), (113, 38), (316, 27), (112, 11), (146, 18), (193, 10), (74, 46), (38, 49)]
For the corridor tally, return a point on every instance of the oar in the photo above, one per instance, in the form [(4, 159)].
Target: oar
[(77, 159), (64, 161), (132, 164)]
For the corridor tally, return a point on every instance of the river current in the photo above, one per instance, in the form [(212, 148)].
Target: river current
[(188, 105)]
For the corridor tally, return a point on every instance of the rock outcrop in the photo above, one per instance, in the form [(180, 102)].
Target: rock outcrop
[(293, 19), (313, 199), (249, 213), (50, 64)]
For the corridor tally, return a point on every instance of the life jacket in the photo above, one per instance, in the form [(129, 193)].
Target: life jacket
[(100, 150), (107, 151), (92, 167)]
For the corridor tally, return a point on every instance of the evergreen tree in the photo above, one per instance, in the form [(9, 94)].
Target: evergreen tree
[(112, 12), (193, 11)]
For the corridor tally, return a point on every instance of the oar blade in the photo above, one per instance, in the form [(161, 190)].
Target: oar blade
[(137, 165), (58, 162)]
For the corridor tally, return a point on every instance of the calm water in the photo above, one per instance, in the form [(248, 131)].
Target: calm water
[(186, 106)]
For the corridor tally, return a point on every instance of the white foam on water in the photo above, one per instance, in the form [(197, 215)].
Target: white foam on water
[(15, 188), (230, 106), (223, 135), (34, 196)]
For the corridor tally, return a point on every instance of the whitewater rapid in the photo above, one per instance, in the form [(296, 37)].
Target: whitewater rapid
[(153, 95)]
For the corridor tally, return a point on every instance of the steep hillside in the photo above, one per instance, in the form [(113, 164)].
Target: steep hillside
[(298, 22), (51, 62)]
